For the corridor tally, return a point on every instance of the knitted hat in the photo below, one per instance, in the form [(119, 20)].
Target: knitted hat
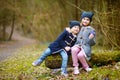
[(74, 23), (87, 14)]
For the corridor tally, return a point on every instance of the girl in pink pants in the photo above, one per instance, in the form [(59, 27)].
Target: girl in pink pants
[(81, 51), (78, 54)]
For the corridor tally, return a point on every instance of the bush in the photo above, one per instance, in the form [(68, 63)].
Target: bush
[(104, 58)]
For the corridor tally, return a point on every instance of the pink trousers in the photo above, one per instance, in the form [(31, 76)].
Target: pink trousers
[(78, 54)]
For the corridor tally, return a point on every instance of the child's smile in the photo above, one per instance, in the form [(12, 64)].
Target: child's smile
[(85, 21)]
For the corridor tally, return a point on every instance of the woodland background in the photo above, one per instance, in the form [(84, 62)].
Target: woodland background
[(27, 26), (44, 20)]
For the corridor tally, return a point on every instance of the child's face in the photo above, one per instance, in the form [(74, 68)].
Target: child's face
[(85, 21), (75, 29)]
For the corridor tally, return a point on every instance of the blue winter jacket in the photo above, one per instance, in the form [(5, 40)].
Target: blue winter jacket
[(64, 39)]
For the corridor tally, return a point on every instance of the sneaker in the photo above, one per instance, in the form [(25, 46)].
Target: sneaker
[(36, 63), (88, 69), (76, 70), (55, 71), (64, 74)]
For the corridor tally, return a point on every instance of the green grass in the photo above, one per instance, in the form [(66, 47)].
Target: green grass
[(19, 67)]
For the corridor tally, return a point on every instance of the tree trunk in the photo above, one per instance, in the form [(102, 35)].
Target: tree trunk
[(76, 10), (4, 32), (12, 27)]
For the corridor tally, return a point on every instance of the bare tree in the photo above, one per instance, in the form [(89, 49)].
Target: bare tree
[(12, 27)]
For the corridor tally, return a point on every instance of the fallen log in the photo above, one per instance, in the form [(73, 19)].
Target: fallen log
[(98, 59)]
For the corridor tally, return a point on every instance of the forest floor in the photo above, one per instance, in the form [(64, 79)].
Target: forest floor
[(19, 67), (8, 48)]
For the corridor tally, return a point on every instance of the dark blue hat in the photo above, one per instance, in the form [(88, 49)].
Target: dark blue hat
[(74, 23), (87, 14)]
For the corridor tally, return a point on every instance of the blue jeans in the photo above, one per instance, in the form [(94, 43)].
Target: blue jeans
[(47, 52)]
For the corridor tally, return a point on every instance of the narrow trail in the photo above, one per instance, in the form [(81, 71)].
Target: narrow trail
[(9, 48)]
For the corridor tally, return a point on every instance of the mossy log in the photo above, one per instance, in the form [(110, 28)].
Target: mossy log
[(98, 59)]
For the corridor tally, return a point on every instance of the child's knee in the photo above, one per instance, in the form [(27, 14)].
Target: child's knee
[(80, 55), (74, 49)]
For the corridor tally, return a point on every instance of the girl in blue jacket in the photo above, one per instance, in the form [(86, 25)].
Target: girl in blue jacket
[(62, 45)]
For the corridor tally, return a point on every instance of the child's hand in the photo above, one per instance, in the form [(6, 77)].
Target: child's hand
[(67, 48), (91, 36), (68, 29)]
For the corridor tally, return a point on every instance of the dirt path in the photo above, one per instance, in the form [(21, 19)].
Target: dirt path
[(9, 48)]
